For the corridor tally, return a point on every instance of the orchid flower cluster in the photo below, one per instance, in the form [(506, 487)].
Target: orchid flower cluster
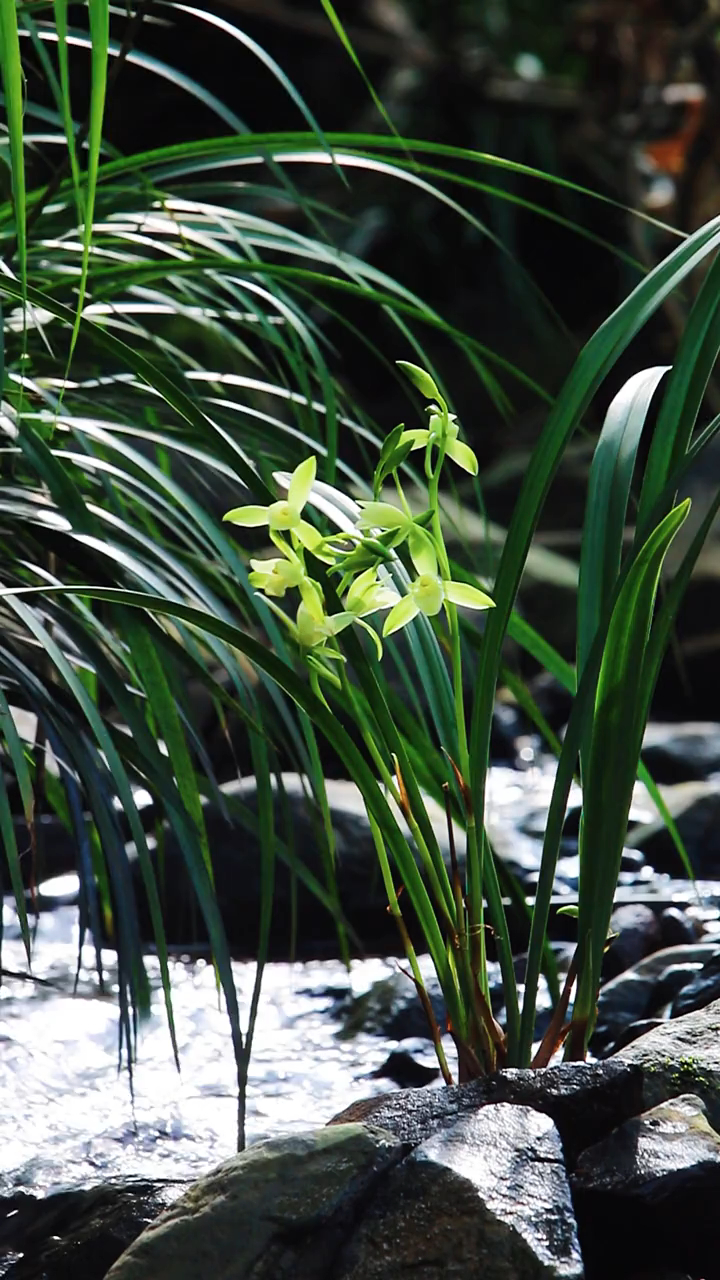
[(360, 555)]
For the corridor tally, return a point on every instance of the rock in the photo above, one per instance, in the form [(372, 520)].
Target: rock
[(682, 752), (488, 1197), (695, 807), (653, 1154), (649, 1185), (585, 1101), (638, 933), (281, 1208), (635, 1030), (402, 1067), (391, 1009), (703, 988), (676, 927), (237, 870), (640, 991), (77, 1233), (680, 1056)]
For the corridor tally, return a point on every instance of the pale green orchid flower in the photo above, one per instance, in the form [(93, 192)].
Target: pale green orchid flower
[(383, 515), (286, 514), (367, 595), (274, 577), (442, 431), (312, 626), (429, 592)]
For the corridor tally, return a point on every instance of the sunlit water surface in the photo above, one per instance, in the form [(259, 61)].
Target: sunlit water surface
[(68, 1115)]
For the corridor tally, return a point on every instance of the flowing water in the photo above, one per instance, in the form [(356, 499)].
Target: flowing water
[(69, 1117)]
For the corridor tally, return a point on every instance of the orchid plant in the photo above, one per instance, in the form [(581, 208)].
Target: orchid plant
[(356, 563), (390, 560)]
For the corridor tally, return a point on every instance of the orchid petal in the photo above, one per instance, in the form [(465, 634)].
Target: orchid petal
[(311, 599), (463, 455), (470, 597), (363, 583), (249, 517), (301, 482), (405, 610), (381, 515), (422, 553), (339, 621), (375, 637), (307, 534), (419, 438), (429, 594)]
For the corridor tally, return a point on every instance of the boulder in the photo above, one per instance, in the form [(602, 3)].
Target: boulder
[(649, 1185), (237, 868), (701, 990), (669, 1148), (585, 1101), (680, 1056), (487, 1199), (281, 1208), (638, 935), (644, 989), (682, 752), (695, 808)]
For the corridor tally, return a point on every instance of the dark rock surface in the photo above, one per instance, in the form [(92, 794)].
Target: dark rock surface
[(237, 871), (645, 1193), (638, 935), (680, 1056), (702, 988), (584, 1101), (487, 1199), (77, 1235), (695, 808), (682, 752), (647, 987), (281, 1208)]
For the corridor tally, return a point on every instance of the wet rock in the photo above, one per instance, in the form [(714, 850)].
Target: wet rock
[(641, 991), (283, 1207), (649, 1185), (695, 807), (676, 927), (489, 1197), (77, 1233), (402, 1067), (669, 1147), (638, 935), (682, 752), (681, 1056), (635, 1030), (585, 1101), (703, 988), (391, 1008), (237, 871)]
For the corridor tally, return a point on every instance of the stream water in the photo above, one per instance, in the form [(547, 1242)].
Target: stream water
[(69, 1117)]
